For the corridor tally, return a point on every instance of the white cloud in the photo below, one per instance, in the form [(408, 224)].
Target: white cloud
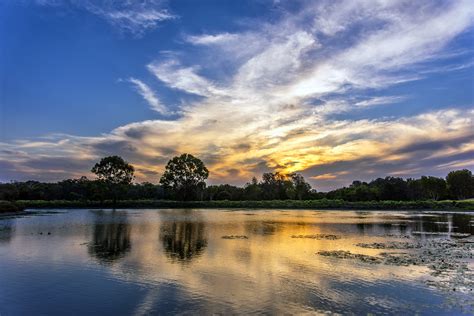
[(135, 17), (136, 22), (409, 34), (263, 115), (147, 93), (209, 39), (183, 78)]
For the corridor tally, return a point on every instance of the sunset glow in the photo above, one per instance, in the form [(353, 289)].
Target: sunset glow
[(334, 90)]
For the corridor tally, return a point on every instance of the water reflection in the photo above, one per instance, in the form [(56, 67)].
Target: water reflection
[(385, 223), (7, 229), (111, 236), (443, 223), (261, 228), (185, 239), (179, 263)]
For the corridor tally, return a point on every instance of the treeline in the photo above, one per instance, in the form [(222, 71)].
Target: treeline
[(458, 185), (273, 186), (77, 189)]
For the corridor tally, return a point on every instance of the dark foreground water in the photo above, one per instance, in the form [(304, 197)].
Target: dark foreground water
[(84, 262)]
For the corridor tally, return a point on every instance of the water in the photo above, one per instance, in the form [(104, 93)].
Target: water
[(76, 262)]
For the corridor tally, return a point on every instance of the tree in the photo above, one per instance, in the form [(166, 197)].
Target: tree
[(390, 188), (9, 192), (460, 183), (185, 176), (301, 187), (114, 172), (252, 190), (276, 186), (433, 187)]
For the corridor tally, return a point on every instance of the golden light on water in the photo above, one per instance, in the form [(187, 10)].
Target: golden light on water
[(263, 269)]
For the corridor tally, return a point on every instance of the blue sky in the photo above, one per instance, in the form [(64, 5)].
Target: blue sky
[(335, 90)]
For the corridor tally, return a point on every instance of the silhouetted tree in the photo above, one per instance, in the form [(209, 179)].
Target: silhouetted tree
[(276, 186), (114, 172), (300, 186), (415, 189), (185, 176), (432, 187), (252, 190), (211, 192), (460, 183), (9, 192), (391, 188), (223, 192)]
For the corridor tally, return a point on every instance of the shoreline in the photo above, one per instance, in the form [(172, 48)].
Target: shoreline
[(268, 204)]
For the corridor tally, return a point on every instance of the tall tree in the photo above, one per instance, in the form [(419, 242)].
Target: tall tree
[(185, 176), (114, 172), (460, 183), (432, 187), (252, 190), (276, 186), (301, 187)]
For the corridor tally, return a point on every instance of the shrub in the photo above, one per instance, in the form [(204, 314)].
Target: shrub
[(7, 207)]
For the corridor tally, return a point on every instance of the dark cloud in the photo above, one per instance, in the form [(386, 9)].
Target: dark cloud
[(242, 147), (113, 147), (135, 132), (415, 165), (336, 140), (167, 151), (260, 167), (58, 163), (210, 157), (233, 172), (437, 145), (151, 175)]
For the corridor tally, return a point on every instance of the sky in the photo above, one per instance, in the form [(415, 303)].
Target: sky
[(335, 90)]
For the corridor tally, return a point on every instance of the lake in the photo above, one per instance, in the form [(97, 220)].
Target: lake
[(121, 262)]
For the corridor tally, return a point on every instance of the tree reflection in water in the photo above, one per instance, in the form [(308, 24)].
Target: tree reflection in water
[(420, 222), (261, 228), (7, 230), (183, 240), (111, 236), (444, 223)]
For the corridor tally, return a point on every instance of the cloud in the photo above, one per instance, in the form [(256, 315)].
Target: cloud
[(404, 35), (135, 17), (208, 39), (147, 93), (273, 109), (182, 78)]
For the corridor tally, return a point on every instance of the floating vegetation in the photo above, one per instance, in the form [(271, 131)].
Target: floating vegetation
[(318, 236), (459, 235), (234, 237), (397, 236), (390, 245), (448, 261), (342, 254)]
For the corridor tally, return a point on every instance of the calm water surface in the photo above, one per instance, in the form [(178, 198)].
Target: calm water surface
[(122, 262)]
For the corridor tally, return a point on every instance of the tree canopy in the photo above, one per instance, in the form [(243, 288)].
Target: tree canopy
[(185, 176), (114, 169), (115, 173), (461, 183)]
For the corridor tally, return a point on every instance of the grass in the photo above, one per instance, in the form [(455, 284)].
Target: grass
[(9, 207), (280, 204)]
